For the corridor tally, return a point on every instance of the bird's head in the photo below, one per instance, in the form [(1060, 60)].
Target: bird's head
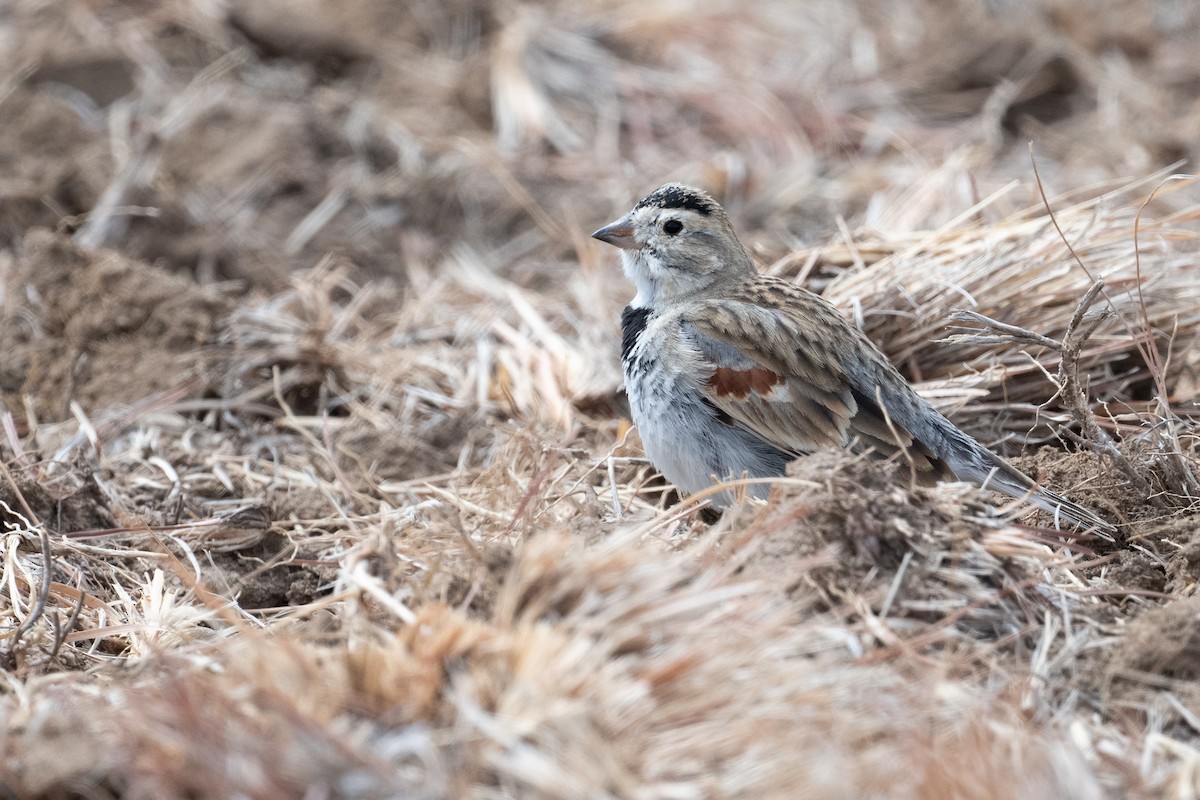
[(677, 244)]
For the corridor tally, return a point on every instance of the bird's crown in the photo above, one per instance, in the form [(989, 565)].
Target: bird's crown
[(677, 195)]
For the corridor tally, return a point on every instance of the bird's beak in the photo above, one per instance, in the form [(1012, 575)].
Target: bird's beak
[(619, 234)]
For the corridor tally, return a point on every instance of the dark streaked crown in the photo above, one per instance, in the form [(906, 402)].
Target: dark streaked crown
[(676, 195)]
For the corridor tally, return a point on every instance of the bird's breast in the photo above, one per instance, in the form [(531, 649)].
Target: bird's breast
[(657, 358), (686, 437)]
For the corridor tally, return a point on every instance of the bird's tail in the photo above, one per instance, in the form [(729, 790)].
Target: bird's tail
[(1006, 478), (963, 456)]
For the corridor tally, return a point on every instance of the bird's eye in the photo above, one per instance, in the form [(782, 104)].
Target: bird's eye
[(672, 227)]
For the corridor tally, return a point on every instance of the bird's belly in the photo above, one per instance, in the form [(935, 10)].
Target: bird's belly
[(686, 441)]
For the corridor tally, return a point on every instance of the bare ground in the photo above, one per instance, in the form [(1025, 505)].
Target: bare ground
[(317, 474)]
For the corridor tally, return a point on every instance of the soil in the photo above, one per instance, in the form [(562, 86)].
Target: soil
[(101, 330)]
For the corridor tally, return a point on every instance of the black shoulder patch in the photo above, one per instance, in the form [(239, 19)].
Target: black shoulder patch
[(675, 195), (633, 322)]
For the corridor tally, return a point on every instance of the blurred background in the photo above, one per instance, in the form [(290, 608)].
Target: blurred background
[(247, 138)]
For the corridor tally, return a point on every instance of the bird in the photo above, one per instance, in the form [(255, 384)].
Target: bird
[(731, 373)]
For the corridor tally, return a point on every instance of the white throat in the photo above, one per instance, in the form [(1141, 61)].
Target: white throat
[(639, 270)]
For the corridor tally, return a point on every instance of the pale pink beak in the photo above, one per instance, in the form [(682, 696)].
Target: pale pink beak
[(619, 234)]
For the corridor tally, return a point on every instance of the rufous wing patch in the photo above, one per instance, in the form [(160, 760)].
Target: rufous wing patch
[(739, 383)]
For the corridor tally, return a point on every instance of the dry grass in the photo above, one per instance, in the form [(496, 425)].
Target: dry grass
[(317, 478)]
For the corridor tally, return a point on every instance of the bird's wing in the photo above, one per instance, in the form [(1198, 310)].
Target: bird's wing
[(778, 372)]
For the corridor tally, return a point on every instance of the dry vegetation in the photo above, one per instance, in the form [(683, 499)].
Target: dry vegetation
[(316, 478)]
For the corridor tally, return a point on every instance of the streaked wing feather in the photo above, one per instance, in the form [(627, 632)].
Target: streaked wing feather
[(761, 390), (886, 437), (797, 399)]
